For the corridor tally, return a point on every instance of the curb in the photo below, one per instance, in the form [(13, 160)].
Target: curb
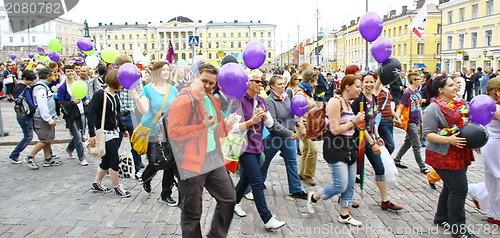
[(9, 143)]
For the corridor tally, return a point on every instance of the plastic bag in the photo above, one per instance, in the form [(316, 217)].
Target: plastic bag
[(391, 172), (126, 167)]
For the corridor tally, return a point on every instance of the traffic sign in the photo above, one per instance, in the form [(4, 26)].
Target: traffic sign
[(194, 40)]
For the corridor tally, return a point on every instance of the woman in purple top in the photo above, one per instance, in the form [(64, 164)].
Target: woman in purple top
[(372, 138), (255, 117)]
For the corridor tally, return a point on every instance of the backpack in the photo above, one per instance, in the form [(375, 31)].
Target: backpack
[(316, 123), (25, 106)]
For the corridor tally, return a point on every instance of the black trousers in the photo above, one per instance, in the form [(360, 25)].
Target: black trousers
[(451, 204), (167, 182)]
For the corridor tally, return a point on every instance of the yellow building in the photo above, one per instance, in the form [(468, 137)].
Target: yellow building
[(349, 46), (215, 39), (469, 27)]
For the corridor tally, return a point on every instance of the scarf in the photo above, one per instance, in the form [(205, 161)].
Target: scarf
[(307, 88), (455, 106), (281, 97)]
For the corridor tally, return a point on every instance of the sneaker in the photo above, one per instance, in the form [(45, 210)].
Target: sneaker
[(169, 201), (30, 161), (98, 188), (15, 161), (50, 162), (54, 156), (425, 170), (249, 196), (84, 162), (300, 195), (239, 211), (464, 234), (350, 221), (274, 223), (399, 165), (70, 153), (310, 204), (121, 192), (390, 205)]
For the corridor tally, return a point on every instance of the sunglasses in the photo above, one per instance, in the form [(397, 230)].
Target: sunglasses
[(258, 81), (368, 73)]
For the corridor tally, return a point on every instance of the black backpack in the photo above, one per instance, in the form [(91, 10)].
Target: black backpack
[(25, 105)]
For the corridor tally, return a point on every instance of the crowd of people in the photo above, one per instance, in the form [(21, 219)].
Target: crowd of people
[(200, 117)]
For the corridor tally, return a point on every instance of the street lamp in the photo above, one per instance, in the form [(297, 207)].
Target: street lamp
[(485, 52)]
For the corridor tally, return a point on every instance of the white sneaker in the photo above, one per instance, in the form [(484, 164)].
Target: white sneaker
[(274, 223), (249, 196), (310, 204), (350, 221), (239, 211)]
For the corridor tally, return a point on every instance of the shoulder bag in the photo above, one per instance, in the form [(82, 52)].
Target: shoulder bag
[(99, 150)]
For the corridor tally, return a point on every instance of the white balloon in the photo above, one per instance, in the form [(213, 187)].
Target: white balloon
[(92, 61)]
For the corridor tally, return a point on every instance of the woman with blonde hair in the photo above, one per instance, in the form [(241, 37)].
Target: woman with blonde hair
[(156, 97), (293, 85)]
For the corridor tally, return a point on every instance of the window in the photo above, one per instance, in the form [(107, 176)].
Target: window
[(269, 44), (399, 49), (420, 48), (184, 45), (224, 34), (473, 39), (33, 23), (33, 39), (487, 37), (116, 37), (145, 36), (209, 55), (190, 55), (439, 28), (405, 48), (460, 41), (130, 46), (269, 34), (394, 32), (11, 39), (176, 46), (232, 34), (232, 44), (385, 34), (152, 46), (130, 36), (261, 34), (153, 57), (137, 36), (239, 44), (246, 34), (389, 33), (217, 35), (22, 39), (438, 48), (217, 45), (145, 45), (400, 30), (450, 42), (473, 64), (100, 37), (474, 11), (123, 37), (489, 8), (123, 46), (254, 34), (209, 35), (209, 45), (109, 37), (239, 34), (269, 55), (116, 46), (183, 56), (21, 25), (462, 14), (152, 37), (450, 17)]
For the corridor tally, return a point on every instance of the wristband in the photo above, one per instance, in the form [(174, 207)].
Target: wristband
[(373, 143)]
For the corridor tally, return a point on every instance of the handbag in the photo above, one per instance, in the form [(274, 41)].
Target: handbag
[(99, 150), (9, 80), (140, 135), (126, 168)]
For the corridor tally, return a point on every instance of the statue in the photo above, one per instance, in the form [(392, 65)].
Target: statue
[(86, 29)]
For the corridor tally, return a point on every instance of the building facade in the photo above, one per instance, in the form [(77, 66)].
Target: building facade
[(471, 30), (215, 39)]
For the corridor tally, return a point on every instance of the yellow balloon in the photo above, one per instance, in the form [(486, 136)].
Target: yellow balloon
[(79, 89)]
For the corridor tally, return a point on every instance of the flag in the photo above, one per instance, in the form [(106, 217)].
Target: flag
[(137, 54), (417, 26), (170, 52)]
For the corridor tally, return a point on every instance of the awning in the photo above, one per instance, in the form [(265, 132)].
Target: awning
[(418, 65)]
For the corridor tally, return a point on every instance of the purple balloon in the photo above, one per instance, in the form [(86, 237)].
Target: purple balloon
[(482, 109), (233, 80), (13, 56), (381, 49), (84, 44), (370, 26), (254, 54), (299, 105), (81, 54), (129, 75), (31, 55), (54, 56), (72, 61), (39, 48)]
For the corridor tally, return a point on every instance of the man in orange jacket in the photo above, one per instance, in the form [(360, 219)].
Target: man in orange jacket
[(201, 164)]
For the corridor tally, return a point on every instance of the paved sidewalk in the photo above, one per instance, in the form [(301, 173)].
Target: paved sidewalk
[(56, 202)]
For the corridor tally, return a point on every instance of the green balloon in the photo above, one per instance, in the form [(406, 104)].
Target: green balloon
[(109, 55), (55, 45), (79, 89), (89, 53), (38, 57)]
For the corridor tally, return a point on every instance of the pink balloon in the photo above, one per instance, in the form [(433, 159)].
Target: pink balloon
[(370, 26), (254, 54), (381, 49), (129, 75), (233, 80), (84, 44)]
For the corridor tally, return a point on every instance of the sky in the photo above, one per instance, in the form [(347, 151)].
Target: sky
[(286, 14)]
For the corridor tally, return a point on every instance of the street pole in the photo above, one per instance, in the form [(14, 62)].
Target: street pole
[(317, 32)]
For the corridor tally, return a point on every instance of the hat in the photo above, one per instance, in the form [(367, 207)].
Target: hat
[(317, 67), (29, 75)]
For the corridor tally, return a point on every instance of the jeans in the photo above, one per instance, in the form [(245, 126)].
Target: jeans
[(413, 141), (221, 187), (376, 162), (26, 125), (127, 122), (477, 90), (251, 175), (76, 141), (343, 176), (386, 132), (287, 147), (451, 204)]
